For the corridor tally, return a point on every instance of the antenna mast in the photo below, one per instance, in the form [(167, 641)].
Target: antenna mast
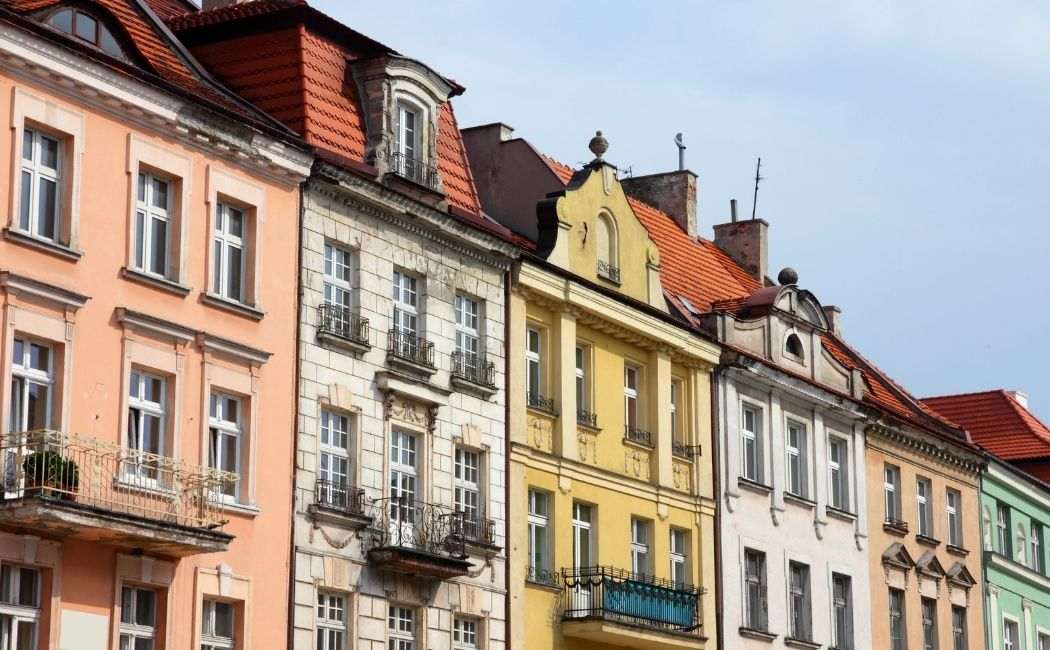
[(758, 178)]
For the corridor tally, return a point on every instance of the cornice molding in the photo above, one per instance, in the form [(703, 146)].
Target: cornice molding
[(749, 368), (19, 283), (944, 452)]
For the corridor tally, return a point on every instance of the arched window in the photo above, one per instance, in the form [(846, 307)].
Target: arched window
[(793, 347), (986, 521), (87, 28), (607, 246)]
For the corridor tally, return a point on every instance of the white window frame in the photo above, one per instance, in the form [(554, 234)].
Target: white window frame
[(539, 549), (1011, 642), (755, 439), (631, 402), (338, 262), (582, 527), (842, 639), (409, 145), (219, 428), (143, 468), (797, 453), (332, 621), (401, 628), (468, 329), (800, 602), (404, 477), (678, 554), (466, 633), (838, 473), (534, 359), (582, 389), (468, 471), (146, 213), (334, 441), (676, 426), (641, 532), (132, 630), (756, 620), (924, 506), (1035, 539), (23, 372), (891, 475), (38, 172), (953, 514), (210, 640), (406, 303), (17, 612), (223, 241), (1002, 527)]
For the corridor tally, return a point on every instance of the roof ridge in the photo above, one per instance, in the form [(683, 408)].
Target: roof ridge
[(990, 391)]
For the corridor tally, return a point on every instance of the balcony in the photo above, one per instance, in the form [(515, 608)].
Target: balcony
[(337, 503), (684, 451), (638, 436), (616, 607), (608, 271), (94, 490), (338, 326), (475, 530), (415, 538), (474, 373), (416, 171), (411, 352), (540, 403), (586, 418)]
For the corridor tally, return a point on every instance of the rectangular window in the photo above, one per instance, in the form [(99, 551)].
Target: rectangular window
[(797, 471), (467, 468), (953, 507), (337, 276), (1011, 635), (138, 618), (153, 225), (842, 606), (630, 397), (891, 487), (225, 429), (41, 191), (799, 603), (898, 633), (639, 545), (404, 473), (464, 634), (751, 443), (331, 621), (533, 366), (19, 607), (407, 133), (1002, 525), (582, 541), (539, 536), (217, 626), (922, 500), (959, 636), (838, 473), (676, 424), (679, 556), (401, 628), (1036, 559), (228, 274), (468, 328), (147, 400), (755, 590), (929, 624), (334, 466), (582, 387), (1044, 642), (32, 385)]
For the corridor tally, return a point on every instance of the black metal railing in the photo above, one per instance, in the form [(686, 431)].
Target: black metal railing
[(412, 348), (637, 599), (587, 418), (340, 321), (608, 271), (414, 170), (543, 577), (682, 450), (339, 497), (474, 368), (541, 402), (473, 528), (638, 436), (415, 525)]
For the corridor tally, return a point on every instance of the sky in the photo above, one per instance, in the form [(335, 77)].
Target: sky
[(904, 145)]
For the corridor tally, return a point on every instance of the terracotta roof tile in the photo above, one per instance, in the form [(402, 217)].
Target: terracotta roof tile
[(997, 422)]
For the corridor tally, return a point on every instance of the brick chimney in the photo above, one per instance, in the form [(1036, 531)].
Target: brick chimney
[(747, 242), (673, 192), (219, 4)]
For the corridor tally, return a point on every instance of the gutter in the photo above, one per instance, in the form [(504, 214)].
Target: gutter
[(506, 459), (295, 407), (716, 418)]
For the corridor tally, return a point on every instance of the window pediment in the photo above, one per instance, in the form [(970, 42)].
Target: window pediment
[(897, 556)]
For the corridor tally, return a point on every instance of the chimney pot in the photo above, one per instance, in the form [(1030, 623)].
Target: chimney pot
[(1019, 397)]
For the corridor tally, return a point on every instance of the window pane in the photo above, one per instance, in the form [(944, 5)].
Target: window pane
[(160, 194), (38, 407), (159, 247), (145, 607), (140, 239), (47, 207), (234, 271), (49, 152), (26, 198), (217, 280), (86, 27)]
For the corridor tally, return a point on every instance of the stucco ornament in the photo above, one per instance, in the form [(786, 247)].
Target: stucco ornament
[(587, 447), (681, 476), (540, 433), (636, 464), (653, 255)]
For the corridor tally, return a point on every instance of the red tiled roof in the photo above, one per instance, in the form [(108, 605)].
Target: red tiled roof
[(168, 9), (997, 422)]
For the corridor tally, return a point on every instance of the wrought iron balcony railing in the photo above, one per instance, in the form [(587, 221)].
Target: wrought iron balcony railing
[(97, 474), (474, 368), (411, 348), (587, 418), (418, 526), (638, 436), (608, 271), (682, 450), (473, 528), (543, 577), (636, 599), (338, 497), (415, 170), (340, 321), (541, 402)]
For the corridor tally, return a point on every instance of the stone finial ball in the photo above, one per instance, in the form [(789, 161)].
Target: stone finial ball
[(787, 275), (598, 144)]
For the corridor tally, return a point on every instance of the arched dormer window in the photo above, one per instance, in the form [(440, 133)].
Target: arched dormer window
[(607, 245), (793, 347), (86, 28)]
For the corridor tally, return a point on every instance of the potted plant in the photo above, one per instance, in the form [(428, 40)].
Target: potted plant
[(51, 475)]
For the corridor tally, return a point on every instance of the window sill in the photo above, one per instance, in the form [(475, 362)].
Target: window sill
[(232, 306), (155, 281), (549, 412), (758, 635), (353, 346), (44, 245), (837, 513), (754, 486), (245, 509), (800, 643), (895, 527), (543, 585), (957, 550), (791, 497), (926, 540), (638, 445), (467, 386), (133, 484)]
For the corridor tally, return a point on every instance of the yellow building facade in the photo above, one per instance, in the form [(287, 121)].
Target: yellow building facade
[(610, 438)]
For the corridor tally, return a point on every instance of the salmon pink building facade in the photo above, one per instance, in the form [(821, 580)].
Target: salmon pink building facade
[(147, 347)]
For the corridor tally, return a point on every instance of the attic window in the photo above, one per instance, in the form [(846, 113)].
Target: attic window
[(793, 347), (86, 28), (608, 250)]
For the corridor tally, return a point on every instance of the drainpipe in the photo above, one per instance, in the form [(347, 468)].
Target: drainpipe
[(716, 418), (506, 457), (295, 407)]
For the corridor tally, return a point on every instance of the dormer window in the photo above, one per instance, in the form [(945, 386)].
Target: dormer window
[(408, 159), (86, 28), (793, 347), (607, 247)]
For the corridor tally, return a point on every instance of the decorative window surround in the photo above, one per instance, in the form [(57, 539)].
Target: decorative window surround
[(223, 585), (223, 187), (143, 570)]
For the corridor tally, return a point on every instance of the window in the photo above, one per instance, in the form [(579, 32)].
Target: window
[(41, 190), (751, 443), (331, 621), (679, 556), (468, 483), (630, 397), (838, 473), (406, 298), (986, 524), (407, 134), (1044, 641), (467, 327), (799, 603), (224, 441), (898, 635), (401, 628), (842, 607), (1011, 635), (337, 274), (533, 369), (922, 499), (959, 641), (32, 383), (793, 347), (639, 545), (582, 389), (403, 477), (606, 248), (1036, 556), (87, 28), (464, 634), (229, 252), (19, 607), (138, 618), (153, 225), (953, 506), (333, 458), (1022, 544), (1002, 523), (539, 517), (797, 472), (929, 624), (755, 590), (676, 424), (217, 626), (146, 426), (891, 489), (582, 542)]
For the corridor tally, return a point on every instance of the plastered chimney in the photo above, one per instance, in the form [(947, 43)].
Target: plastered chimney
[(834, 316), (1019, 397)]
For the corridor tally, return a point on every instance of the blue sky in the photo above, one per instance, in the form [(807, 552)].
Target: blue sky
[(904, 144)]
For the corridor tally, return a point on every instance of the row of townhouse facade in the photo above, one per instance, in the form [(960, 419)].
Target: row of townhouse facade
[(291, 361)]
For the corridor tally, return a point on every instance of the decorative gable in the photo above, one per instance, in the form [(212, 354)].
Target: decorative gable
[(928, 565), (960, 576), (897, 556)]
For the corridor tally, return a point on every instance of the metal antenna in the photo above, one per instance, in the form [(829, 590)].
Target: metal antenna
[(680, 143), (758, 178)]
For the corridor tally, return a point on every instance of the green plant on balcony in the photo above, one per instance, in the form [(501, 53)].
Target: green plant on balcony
[(51, 475)]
